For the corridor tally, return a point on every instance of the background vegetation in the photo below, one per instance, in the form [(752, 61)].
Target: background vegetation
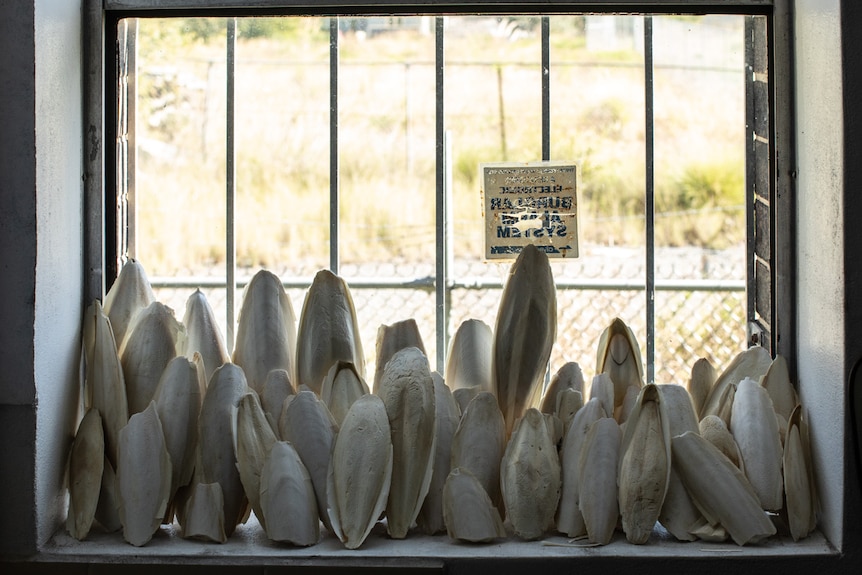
[(386, 137)]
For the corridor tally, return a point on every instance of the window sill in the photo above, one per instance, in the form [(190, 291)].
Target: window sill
[(249, 550)]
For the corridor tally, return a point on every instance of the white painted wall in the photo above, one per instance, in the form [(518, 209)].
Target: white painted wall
[(59, 260), (820, 245)]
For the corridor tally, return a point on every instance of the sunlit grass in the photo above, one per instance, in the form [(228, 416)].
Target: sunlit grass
[(386, 142)]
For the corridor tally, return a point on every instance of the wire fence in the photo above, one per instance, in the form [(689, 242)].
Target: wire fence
[(700, 302)]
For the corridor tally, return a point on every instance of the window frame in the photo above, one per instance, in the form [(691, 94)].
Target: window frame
[(771, 257)]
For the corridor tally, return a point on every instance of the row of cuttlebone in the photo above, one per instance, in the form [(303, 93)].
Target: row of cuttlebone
[(706, 460)]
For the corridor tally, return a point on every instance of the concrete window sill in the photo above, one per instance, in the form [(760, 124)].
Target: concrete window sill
[(249, 550)]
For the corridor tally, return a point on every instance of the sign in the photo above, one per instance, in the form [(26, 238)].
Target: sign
[(530, 203)]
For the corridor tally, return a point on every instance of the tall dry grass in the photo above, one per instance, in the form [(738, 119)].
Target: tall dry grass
[(386, 141)]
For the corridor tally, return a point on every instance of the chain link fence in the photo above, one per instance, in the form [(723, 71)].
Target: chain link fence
[(707, 319)]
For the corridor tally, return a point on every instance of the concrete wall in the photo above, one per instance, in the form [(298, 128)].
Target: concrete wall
[(820, 246), (59, 248), (41, 194)]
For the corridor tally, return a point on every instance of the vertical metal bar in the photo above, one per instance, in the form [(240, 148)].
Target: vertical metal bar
[(546, 116), (501, 108), (783, 202), (449, 235), (440, 286), (131, 135), (230, 192), (546, 88), (333, 145), (408, 131), (121, 145), (649, 136), (750, 169), (94, 139)]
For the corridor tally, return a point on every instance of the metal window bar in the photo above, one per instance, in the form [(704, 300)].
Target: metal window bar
[(442, 251), (649, 208), (441, 282), (230, 169)]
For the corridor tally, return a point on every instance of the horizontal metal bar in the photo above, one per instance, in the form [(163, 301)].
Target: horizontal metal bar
[(439, 6), (466, 64), (428, 283)]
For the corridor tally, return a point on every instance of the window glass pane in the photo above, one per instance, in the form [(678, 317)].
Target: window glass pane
[(387, 165), (597, 121), (493, 114), (386, 131), (282, 145), (179, 133), (700, 190)]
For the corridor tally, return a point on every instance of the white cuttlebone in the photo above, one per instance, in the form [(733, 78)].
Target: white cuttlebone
[(360, 471), (569, 376), (276, 389), (479, 443), (216, 460), (645, 464), (178, 402), (555, 428), (154, 339), (307, 424), (530, 477), (341, 387), (391, 339), (464, 395), (203, 335), (706, 531), (523, 334), (713, 429), (468, 512), (753, 363), (720, 490), (702, 379), (725, 403), (287, 498), (328, 331), (755, 430), (681, 416), (569, 401), (678, 512), (108, 508), (468, 361), (253, 438), (430, 519), (602, 388), (622, 412), (203, 516), (782, 428), (130, 293), (143, 476), (201, 371), (800, 493), (266, 331), (407, 390), (597, 480), (570, 521), (776, 381), (618, 354), (86, 465), (105, 385)]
